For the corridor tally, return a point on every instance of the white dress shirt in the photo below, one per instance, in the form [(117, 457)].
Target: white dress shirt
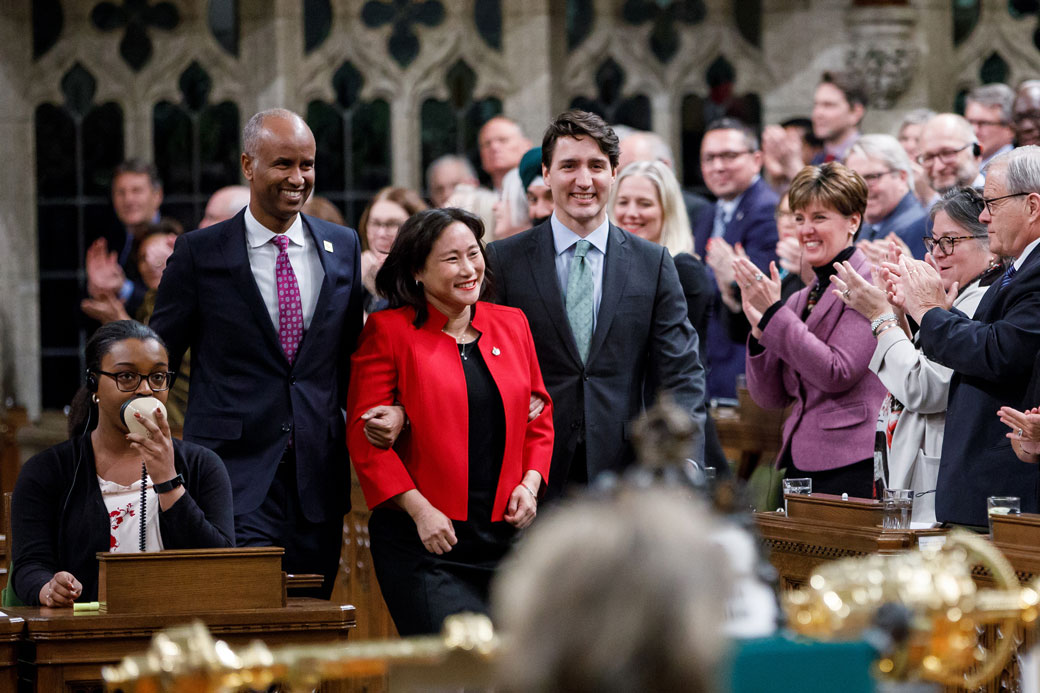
[(1025, 253), (564, 241), (303, 256)]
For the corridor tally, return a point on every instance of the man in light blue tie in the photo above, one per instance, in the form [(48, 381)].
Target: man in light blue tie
[(744, 215), (605, 307)]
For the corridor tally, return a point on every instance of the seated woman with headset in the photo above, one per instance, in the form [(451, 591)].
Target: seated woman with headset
[(110, 489)]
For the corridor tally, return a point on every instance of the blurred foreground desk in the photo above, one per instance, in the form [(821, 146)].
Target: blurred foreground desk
[(63, 651)]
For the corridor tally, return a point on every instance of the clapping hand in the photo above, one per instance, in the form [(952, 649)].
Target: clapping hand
[(104, 275), (1025, 427), (916, 287), (757, 291)]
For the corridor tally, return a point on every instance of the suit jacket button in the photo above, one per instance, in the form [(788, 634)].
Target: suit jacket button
[(292, 379), (285, 428), (585, 377)]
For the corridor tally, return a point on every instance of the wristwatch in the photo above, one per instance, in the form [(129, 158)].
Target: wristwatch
[(169, 485)]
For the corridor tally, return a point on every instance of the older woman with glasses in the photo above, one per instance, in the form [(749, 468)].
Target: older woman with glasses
[(912, 419), (109, 489), (377, 228)]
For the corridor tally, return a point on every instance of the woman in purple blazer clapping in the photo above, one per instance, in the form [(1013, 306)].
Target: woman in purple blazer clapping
[(812, 352)]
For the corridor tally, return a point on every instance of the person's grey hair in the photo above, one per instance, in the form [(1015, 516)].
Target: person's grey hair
[(1021, 169), (997, 94), (623, 131), (886, 149), (918, 116), (676, 235), (618, 594), (963, 206), (254, 127), (659, 149), (444, 161)]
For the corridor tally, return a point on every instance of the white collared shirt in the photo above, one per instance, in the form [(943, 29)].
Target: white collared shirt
[(1025, 253), (564, 241), (303, 256)]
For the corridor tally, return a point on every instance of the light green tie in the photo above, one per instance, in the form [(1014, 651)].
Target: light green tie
[(581, 304)]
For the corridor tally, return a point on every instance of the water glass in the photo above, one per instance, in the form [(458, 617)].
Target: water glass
[(1002, 505), (899, 505), (802, 487)]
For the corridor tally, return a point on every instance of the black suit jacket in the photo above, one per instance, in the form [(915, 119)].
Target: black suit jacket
[(642, 334), (245, 397), (992, 357)]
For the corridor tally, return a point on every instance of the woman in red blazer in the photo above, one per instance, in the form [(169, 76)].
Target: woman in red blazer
[(449, 497)]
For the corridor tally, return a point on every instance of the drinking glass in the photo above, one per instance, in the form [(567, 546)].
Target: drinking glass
[(1002, 505), (802, 487), (899, 505)]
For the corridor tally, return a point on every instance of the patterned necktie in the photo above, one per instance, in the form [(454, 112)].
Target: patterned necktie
[(718, 229), (290, 307), (581, 299), (1008, 275)]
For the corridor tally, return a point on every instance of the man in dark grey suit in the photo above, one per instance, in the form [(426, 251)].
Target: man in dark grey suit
[(605, 307)]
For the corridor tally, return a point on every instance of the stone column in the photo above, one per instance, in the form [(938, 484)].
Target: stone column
[(272, 46), (527, 33), (19, 275)]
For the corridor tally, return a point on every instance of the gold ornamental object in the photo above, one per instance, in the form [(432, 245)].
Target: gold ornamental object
[(187, 659), (945, 613)]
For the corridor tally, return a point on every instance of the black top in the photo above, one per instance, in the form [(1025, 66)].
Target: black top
[(699, 290), (487, 433), (59, 520)]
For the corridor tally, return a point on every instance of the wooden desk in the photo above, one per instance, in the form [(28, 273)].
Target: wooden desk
[(63, 651), (11, 628), (795, 546)]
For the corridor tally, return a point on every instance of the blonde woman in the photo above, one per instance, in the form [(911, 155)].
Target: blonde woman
[(646, 200)]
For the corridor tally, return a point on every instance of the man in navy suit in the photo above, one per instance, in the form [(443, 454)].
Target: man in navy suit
[(992, 356), (605, 307), (892, 207), (744, 214), (271, 325)]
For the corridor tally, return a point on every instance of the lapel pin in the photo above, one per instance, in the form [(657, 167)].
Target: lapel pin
[(328, 246), (495, 351), (740, 215)]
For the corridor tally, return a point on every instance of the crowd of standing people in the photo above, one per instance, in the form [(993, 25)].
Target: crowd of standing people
[(486, 350)]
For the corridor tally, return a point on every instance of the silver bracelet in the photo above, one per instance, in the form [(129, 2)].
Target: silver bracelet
[(528, 489), (881, 320)]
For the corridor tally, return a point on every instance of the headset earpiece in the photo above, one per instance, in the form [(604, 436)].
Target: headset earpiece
[(92, 382), (976, 149)]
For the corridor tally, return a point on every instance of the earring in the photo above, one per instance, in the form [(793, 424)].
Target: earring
[(94, 398)]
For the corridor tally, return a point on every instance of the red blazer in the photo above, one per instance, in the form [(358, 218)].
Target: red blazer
[(421, 369)]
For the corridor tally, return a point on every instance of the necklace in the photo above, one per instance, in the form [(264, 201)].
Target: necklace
[(464, 346)]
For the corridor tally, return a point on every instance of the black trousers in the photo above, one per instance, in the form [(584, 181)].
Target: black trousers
[(310, 547), (421, 589), (856, 479)]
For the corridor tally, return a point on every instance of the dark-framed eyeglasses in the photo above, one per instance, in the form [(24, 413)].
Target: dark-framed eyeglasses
[(945, 156), (872, 178), (988, 201), (946, 243), (988, 123), (129, 381), (724, 157)]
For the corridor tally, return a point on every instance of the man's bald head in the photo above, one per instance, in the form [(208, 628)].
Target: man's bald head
[(253, 131), (224, 204), (645, 146), (950, 154), (502, 144)]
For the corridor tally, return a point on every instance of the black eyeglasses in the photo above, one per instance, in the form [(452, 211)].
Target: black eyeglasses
[(945, 156), (128, 381), (724, 157), (946, 244), (988, 201), (988, 123)]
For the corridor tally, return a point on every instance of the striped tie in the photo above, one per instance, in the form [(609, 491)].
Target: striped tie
[(1008, 275)]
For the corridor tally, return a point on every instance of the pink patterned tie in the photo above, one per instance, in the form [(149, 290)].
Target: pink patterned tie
[(290, 308)]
